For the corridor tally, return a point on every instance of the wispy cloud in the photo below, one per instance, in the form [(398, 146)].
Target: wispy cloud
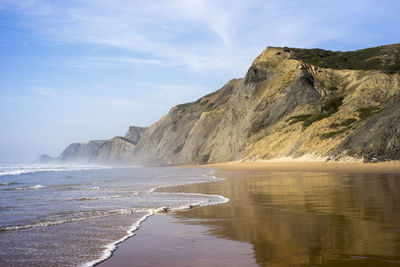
[(43, 91), (199, 34)]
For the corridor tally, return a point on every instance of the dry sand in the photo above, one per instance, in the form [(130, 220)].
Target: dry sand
[(344, 167)]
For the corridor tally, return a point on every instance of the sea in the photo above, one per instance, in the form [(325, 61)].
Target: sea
[(75, 215)]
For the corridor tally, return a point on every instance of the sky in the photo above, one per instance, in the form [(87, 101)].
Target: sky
[(80, 70)]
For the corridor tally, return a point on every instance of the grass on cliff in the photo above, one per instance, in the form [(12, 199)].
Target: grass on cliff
[(298, 118), (346, 122), (183, 107), (334, 133), (330, 107), (383, 58), (366, 112)]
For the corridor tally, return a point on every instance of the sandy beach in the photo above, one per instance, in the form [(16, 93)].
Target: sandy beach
[(279, 214)]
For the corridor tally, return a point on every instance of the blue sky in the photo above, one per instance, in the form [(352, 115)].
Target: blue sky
[(83, 70)]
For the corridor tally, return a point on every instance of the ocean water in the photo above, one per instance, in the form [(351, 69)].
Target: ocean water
[(75, 215)]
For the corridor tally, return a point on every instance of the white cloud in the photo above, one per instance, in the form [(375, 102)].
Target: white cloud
[(43, 91), (200, 34), (203, 35)]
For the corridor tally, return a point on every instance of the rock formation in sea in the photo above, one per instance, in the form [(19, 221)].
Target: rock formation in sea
[(291, 103)]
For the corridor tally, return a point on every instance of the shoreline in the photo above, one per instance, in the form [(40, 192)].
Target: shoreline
[(111, 249), (190, 220)]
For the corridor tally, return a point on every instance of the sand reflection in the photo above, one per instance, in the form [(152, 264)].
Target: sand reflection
[(306, 218)]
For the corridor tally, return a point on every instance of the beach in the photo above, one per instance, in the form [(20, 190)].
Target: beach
[(279, 214)]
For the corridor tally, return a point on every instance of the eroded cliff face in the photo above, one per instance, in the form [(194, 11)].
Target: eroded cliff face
[(117, 150), (81, 152), (114, 150), (135, 133), (283, 107)]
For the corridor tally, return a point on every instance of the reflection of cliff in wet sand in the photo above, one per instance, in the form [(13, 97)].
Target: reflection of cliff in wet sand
[(291, 218)]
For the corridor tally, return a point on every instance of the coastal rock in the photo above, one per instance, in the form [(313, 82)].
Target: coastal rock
[(134, 133), (44, 158), (287, 107), (81, 152), (115, 150)]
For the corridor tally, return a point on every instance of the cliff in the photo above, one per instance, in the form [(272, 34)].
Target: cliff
[(81, 152), (291, 103), (135, 133), (117, 150)]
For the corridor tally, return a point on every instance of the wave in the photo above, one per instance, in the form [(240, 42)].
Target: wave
[(25, 169), (113, 246), (105, 197), (212, 179), (97, 214), (7, 184), (89, 216), (131, 231), (102, 214), (38, 186)]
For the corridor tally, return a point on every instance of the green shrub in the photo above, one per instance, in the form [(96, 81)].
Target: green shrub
[(204, 102), (314, 118), (210, 107), (298, 118), (333, 125), (333, 88), (334, 133), (374, 58), (348, 122), (183, 107), (332, 105), (211, 94), (366, 112)]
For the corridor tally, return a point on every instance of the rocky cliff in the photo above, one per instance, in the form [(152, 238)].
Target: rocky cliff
[(135, 133), (115, 150), (81, 152), (291, 103)]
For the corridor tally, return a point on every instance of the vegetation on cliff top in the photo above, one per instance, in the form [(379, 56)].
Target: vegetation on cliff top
[(383, 58)]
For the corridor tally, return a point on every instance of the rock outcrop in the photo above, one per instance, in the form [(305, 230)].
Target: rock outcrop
[(81, 152), (135, 133), (287, 107), (117, 150), (44, 158)]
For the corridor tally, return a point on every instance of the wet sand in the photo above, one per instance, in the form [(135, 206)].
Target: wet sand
[(279, 214)]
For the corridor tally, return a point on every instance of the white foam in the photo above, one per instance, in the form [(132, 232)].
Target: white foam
[(213, 179), (95, 188), (18, 169), (38, 186), (8, 183), (107, 253), (105, 197), (100, 214), (113, 246)]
